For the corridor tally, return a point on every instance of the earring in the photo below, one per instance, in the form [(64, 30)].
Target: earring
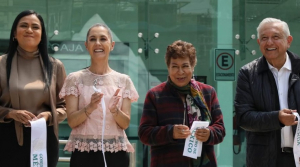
[(193, 77), (13, 39)]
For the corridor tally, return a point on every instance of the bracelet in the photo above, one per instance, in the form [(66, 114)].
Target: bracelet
[(116, 112), (86, 113)]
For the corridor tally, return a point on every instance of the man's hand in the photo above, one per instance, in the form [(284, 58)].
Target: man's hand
[(287, 117)]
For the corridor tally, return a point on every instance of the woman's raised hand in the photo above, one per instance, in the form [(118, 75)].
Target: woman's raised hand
[(95, 100), (112, 105)]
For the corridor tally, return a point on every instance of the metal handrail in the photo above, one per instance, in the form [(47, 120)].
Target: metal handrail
[(63, 141), (63, 159)]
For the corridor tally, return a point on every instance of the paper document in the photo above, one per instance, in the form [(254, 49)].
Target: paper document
[(193, 147)]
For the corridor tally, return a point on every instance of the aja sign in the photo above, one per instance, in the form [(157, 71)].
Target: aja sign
[(78, 47), (72, 47), (224, 65)]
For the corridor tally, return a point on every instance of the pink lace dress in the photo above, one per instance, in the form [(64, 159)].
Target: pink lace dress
[(88, 135)]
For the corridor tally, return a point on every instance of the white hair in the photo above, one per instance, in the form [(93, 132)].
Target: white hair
[(285, 26)]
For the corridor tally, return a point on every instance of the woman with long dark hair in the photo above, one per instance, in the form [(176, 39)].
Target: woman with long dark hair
[(30, 81)]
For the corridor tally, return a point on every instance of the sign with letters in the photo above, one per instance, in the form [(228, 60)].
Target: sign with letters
[(73, 47), (224, 65), (78, 48)]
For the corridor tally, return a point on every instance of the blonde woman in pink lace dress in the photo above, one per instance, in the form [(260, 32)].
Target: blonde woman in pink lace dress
[(98, 101)]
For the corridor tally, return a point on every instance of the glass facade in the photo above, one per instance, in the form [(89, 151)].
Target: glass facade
[(208, 24)]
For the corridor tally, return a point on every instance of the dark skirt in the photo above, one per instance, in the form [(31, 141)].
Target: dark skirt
[(14, 155), (95, 159)]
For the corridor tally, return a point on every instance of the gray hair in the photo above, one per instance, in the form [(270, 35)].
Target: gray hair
[(100, 25), (285, 26)]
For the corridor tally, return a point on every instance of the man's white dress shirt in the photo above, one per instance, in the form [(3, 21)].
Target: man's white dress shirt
[(282, 82)]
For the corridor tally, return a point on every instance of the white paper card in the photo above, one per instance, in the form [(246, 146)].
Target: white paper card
[(38, 152), (193, 147), (296, 147)]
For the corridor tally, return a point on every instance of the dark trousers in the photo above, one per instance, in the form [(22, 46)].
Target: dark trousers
[(285, 159), (95, 159), (14, 155)]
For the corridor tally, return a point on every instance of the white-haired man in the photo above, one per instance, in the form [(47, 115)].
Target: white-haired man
[(267, 95)]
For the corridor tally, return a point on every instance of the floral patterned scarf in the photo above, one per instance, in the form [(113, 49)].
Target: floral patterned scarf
[(195, 99), (197, 109)]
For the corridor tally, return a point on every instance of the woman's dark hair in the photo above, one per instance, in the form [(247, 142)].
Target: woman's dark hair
[(43, 48), (181, 49)]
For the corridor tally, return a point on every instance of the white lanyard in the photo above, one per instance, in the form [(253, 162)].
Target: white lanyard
[(103, 127)]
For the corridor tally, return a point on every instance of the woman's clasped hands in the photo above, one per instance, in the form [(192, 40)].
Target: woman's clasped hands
[(112, 105), (25, 117), (22, 116), (183, 131)]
